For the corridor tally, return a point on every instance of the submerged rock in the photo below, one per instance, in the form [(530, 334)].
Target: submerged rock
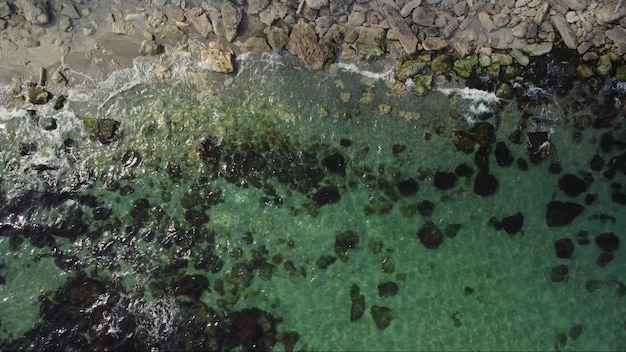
[(513, 224), (504, 157), (38, 95), (103, 130), (562, 213), (326, 195), (608, 241), (444, 180), (382, 316), (387, 289), (485, 184), (335, 163), (407, 187), (430, 236), (345, 241), (572, 185), (564, 248), (357, 300)]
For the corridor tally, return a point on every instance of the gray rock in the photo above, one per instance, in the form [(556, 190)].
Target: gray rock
[(434, 43), (355, 19), (255, 44), (538, 49), (409, 7), (521, 3), (576, 5), (35, 11), (69, 10), (618, 35), (277, 37), (565, 30), (136, 17), (150, 48), (218, 60), (405, 34), (122, 27), (449, 28), (231, 16), (520, 30), (611, 10), (5, 11), (486, 21), (339, 7), (256, 6), (316, 4), (501, 19), (518, 56), (200, 21), (216, 20), (303, 40), (424, 16), (460, 8), (541, 13), (275, 11)]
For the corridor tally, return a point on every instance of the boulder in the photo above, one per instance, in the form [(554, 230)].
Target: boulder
[(339, 7), (38, 95), (464, 67), (316, 4), (358, 303), (564, 248), (608, 241), (150, 48), (382, 316), (200, 21), (485, 184), (429, 235), (231, 16), (572, 185), (407, 187), (256, 6), (610, 11), (277, 37), (387, 289), (326, 195), (562, 213), (258, 44), (335, 163), (426, 208), (409, 6), (34, 11), (618, 35), (217, 60), (444, 180), (504, 157), (565, 30), (513, 224), (405, 35), (104, 130), (463, 141), (303, 40)]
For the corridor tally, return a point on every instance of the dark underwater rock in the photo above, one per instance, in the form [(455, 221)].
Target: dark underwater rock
[(387, 289), (382, 316), (444, 180), (597, 162), (252, 329), (326, 195), (607, 241), (538, 146), (484, 133), (407, 187), (562, 213), (430, 236), (335, 163), (564, 248), (522, 164), (357, 307), (425, 208), (559, 273), (345, 241), (481, 158), (485, 184), (504, 157), (572, 185), (463, 141), (513, 224), (325, 261), (191, 286), (463, 170)]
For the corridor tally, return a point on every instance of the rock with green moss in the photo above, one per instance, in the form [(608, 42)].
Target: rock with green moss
[(410, 68), (103, 130), (38, 95), (604, 65), (441, 63), (583, 71), (504, 91), (464, 67), (369, 51), (620, 73), (422, 84)]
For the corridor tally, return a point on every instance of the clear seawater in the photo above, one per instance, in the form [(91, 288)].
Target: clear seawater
[(479, 290)]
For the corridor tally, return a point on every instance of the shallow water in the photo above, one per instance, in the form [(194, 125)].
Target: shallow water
[(249, 222)]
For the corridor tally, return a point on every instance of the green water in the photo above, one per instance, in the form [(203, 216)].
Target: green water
[(513, 305)]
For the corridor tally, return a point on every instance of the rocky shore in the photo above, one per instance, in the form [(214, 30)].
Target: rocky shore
[(438, 35)]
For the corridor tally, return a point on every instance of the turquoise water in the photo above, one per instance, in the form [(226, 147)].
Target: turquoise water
[(481, 289)]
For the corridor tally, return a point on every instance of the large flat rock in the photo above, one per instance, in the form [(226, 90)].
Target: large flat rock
[(405, 34)]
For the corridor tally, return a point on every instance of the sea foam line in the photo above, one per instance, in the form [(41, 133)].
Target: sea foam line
[(471, 94), (369, 74)]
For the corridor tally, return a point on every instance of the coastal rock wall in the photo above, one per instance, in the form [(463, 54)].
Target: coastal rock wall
[(345, 28)]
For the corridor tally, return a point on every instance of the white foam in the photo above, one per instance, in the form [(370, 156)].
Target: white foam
[(471, 94), (352, 68)]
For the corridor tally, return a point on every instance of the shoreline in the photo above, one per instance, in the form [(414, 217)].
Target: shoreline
[(103, 37)]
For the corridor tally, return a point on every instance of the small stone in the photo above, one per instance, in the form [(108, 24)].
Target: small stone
[(384, 109)]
